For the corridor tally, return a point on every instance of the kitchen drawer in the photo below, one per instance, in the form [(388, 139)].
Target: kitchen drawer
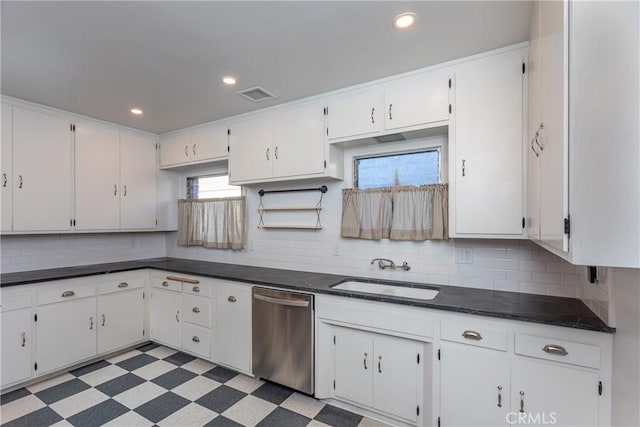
[(14, 302), (196, 310), (64, 292), (552, 349), (169, 285), (473, 334), (201, 289), (196, 339), (121, 284)]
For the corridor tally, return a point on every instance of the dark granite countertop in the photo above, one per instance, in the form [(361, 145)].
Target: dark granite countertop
[(558, 311)]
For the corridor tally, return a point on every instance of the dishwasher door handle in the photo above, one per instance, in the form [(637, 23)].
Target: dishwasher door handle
[(281, 301)]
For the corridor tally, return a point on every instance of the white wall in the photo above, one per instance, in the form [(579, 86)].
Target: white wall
[(23, 253)]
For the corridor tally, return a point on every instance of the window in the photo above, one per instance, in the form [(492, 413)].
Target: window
[(417, 168), (211, 187)]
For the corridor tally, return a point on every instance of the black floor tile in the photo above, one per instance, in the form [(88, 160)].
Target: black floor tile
[(136, 362), (42, 417), (90, 368), (118, 385), (284, 417), (99, 414), (221, 399), (162, 406), (173, 378), (273, 393), (221, 421), (338, 417), (220, 374), (61, 391), (15, 394), (179, 358), (147, 347)]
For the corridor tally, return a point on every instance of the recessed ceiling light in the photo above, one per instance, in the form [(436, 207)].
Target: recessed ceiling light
[(136, 111), (228, 80), (404, 20)]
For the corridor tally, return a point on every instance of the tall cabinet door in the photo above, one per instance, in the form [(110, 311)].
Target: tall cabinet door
[(299, 140), (42, 171), (474, 385), (251, 154), (7, 169), (166, 317), (137, 181), (532, 147), (120, 320), (16, 345), (354, 365), (554, 164), (488, 146), (234, 326), (97, 177)]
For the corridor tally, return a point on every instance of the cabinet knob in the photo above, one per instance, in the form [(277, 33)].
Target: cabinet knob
[(196, 289), (472, 335), (123, 285), (67, 294), (196, 310), (232, 299), (165, 284), (195, 339)]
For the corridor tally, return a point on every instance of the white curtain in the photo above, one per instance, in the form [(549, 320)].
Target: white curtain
[(212, 223), (396, 213)]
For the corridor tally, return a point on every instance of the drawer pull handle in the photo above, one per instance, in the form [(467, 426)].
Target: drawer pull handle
[(232, 299), (123, 285), (522, 401), (195, 339), (196, 289), (165, 284), (365, 361), (183, 279), (24, 339), (380, 364), (90, 323), (499, 396), (196, 310), (555, 349), (472, 335), (67, 294)]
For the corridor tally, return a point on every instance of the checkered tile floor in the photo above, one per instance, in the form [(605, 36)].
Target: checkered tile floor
[(155, 385)]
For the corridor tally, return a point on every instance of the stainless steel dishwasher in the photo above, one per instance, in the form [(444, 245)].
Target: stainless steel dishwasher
[(283, 338)]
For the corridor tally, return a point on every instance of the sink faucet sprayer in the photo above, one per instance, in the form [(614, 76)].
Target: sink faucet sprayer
[(390, 264)]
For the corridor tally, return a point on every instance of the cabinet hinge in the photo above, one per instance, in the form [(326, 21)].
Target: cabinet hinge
[(600, 388), (72, 127), (143, 295), (438, 421), (70, 222), (35, 317), (156, 146), (449, 108), (143, 332), (334, 384), (228, 149), (418, 359), (74, 222), (334, 340), (567, 226), (523, 222), (327, 130), (228, 131), (523, 67), (325, 164), (35, 366), (326, 111), (418, 410), (438, 354), (156, 222), (449, 83)]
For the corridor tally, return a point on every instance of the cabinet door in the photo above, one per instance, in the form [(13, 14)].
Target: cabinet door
[(138, 181), (41, 171), (488, 147), (356, 114), (417, 100), (175, 150), (533, 150), (299, 140), (354, 365), (209, 143), (554, 174), (97, 177), (234, 326), (556, 394), (474, 385), (66, 333), (6, 197), (16, 346), (397, 366), (251, 153), (120, 320), (166, 317)]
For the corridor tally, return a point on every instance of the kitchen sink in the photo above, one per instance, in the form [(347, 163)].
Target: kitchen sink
[(387, 289)]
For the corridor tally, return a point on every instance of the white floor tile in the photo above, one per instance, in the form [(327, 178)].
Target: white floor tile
[(192, 415), (43, 385), (103, 375), (154, 369), (244, 383), (139, 395), (19, 407), (198, 366), (78, 402), (130, 419), (249, 411), (304, 405), (368, 422), (62, 423), (161, 352), (124, 356), (196, 388), (315, 423)]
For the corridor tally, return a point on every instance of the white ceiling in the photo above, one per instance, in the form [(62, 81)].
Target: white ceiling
[(102, 58)]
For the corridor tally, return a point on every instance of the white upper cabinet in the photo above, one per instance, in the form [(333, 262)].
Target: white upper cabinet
[(138, 166), (6, 198), (250, 150), (42, 173), (354, 114), (203, 144), (486, 148)]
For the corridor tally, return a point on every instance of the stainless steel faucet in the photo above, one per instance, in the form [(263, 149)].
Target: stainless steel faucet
[(390, 264)]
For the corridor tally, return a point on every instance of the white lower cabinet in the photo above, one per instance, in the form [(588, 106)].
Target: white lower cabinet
[(166, 317), (121, 319), (16, 345), (233, 325)]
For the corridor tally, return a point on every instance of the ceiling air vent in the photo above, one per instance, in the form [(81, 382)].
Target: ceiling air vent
[(390, 138), (256, 94)]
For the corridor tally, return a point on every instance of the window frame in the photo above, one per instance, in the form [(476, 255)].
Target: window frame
[(357, 159)]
